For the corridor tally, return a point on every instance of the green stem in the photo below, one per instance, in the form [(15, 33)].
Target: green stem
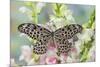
[(91, 20), (57, 10), (35, 18)]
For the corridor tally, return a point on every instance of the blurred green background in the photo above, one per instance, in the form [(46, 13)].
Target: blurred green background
[(81, 14)]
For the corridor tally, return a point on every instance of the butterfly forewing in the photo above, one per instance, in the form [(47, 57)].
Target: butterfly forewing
[(68, 31), (73, 29)]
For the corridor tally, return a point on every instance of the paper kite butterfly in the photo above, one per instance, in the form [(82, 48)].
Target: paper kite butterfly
[(43, 35)]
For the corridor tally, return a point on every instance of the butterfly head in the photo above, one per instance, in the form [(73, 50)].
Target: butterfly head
[(52, 34)]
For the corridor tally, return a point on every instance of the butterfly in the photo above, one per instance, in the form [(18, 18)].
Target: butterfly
[(43, 35)]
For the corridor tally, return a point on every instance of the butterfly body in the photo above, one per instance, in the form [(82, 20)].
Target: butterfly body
[(43, 36)]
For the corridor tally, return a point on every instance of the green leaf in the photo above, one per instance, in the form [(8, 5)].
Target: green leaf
[(91, 21)]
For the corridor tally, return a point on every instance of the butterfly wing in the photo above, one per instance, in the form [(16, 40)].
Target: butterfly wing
[(62, 35), (41, 34)]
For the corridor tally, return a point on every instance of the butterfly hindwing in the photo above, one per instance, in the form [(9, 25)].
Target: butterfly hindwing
[(64, 47), (39, 48)]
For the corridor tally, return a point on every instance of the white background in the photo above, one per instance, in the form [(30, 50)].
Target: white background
[(5, 33)]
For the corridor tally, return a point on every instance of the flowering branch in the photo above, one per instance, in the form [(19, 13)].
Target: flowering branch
[(85, 48), (33, 10), (57, 9)]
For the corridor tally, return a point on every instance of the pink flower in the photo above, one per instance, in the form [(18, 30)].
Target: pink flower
[(51, 60), (51, 46), (74, 50), (63, 58), (42, 59)]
